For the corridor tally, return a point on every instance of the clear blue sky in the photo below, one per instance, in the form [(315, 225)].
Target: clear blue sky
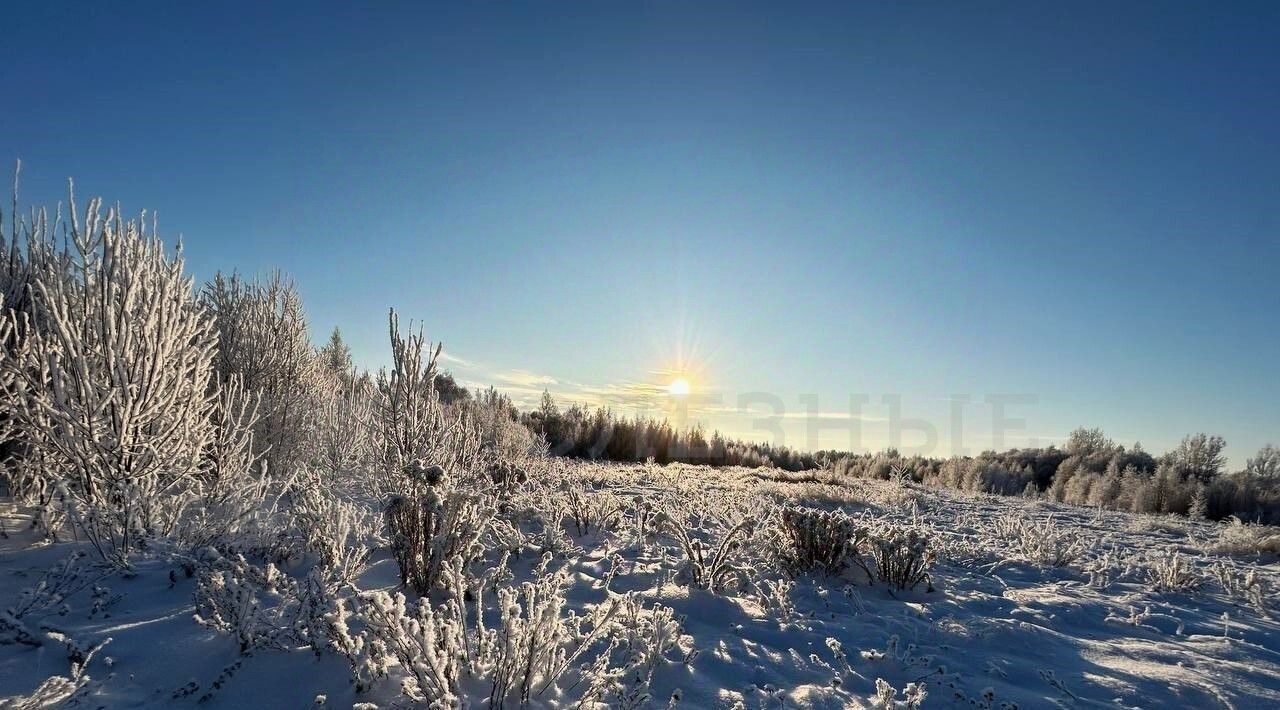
[(1075, 201)]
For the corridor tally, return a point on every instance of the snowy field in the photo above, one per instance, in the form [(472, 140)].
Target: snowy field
[(656, 586)]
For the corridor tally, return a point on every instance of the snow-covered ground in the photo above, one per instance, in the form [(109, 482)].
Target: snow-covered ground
[(1028, 604)]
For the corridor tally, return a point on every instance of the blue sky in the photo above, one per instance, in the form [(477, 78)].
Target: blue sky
[(1073, 202)]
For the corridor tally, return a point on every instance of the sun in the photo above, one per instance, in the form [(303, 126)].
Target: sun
[(679, 387)]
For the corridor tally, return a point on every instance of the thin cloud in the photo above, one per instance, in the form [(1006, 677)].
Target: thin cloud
[(461, 363), (524, 378)]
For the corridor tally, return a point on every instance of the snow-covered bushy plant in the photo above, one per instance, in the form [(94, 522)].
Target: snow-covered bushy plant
[(506, 476), (435, 522), (886, 697), (537, 642), (898, 554), (321, 615), (226, 499), (823, 540), (719, 562), (449, 656), (589, 510), (110, 379), (1042, 542), (410, 425), (229, 598), (343, 437), (1240, 538), (59, 582), (1172, 573), (337, 531), (649, 639), (775, 595), (1244, 584), (58, 691)]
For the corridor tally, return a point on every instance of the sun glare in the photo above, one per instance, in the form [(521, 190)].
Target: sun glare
[(679, 387)]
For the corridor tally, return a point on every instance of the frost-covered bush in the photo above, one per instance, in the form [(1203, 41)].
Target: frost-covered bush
[(229, 601), (1172, 573), (589, 510), (897, 554), (320, 615), (821, 540), (58, 691), (649, 638), (502, 435), (1244, 584), (1239, 538), (337, 531), (110, 379), (506, 476), (886, 697), (1042, 542), (410, 425), (225, 503), (437, 521), (343, 437), (719, 562), (449, 656)]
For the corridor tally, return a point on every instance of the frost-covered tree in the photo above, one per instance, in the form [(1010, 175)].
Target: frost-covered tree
[(1083, 442), (335, 356), (262, 339), (1266, 464), (1199, 456), (501, 433)]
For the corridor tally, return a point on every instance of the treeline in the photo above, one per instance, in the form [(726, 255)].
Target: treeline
[(601, 434), (1093, 470)]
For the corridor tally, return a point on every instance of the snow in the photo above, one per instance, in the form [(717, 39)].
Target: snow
[(997, 630)]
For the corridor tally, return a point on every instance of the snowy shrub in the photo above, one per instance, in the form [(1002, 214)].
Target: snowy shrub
[(506, 476), (336, 531), (589, 510), (410, 426), (1239, 538), (502, 435), (642, 516), (226, 500), (343, 436), (1172, 573), (320, 616), (537, 642), (1144, 618), (775, 595), (446, 651), (436, 523), (718, 563), (111, 378), (57, 691), (1042, 542), (897, 554), (55, 586), (825, 541), (229, 599), (649, 638), (886, 697), (1245, 585)]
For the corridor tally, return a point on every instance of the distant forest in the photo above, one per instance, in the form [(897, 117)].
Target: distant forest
[(1090, 469)]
